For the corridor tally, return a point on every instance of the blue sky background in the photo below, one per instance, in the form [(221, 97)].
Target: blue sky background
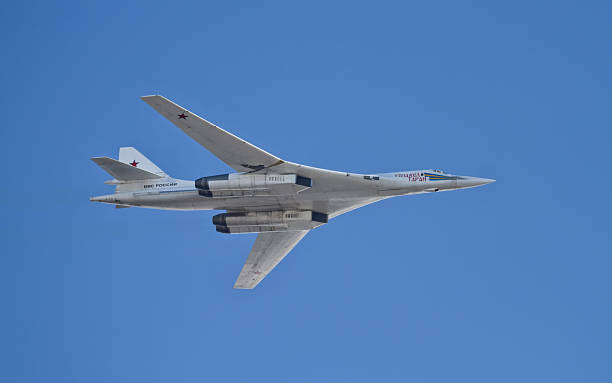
[(504, 283)]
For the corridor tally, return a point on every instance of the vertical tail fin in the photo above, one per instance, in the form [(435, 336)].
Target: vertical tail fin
[(132, 172), (130, 155)]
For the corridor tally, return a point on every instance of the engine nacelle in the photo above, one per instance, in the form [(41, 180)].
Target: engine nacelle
[(262, 221), (255, 229), (244, 185)]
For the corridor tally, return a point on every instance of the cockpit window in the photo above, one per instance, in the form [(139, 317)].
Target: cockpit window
[(438, 171)]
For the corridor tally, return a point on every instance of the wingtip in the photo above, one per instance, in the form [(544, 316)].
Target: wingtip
[(150, 96), (98, 160), (241, 287)]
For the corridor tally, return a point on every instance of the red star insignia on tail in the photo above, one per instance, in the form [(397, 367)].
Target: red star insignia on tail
[(182, 116), (134, 163)]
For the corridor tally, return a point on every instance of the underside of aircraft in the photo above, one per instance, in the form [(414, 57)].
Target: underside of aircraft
[(280, 200)]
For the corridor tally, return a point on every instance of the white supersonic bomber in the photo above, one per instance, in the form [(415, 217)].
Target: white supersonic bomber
[(280, 200)]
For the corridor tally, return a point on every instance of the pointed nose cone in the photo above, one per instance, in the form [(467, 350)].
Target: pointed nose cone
[(484, 181), (470, 182)]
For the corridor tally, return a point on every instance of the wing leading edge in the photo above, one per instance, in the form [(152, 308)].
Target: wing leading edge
[(234, 151), (269, 249)]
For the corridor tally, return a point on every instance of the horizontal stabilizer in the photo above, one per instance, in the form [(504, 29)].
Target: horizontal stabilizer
[(122, 171)]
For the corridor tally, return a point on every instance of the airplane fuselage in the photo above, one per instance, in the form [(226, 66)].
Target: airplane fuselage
[(330, 192)]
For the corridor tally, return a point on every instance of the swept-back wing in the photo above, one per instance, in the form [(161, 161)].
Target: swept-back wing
[(234, 151), (269, 249)]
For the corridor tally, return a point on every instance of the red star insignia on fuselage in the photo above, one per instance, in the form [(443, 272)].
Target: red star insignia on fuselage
[(182, 116), (134, 163)]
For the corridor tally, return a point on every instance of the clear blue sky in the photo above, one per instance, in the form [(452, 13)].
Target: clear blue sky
[(505, 283)]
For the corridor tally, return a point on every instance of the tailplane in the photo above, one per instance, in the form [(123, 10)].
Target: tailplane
[(132, 166), (123, 172), (132, 173)]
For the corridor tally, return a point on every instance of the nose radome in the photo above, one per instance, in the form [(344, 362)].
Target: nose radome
[(484, 181), (468, 182)]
